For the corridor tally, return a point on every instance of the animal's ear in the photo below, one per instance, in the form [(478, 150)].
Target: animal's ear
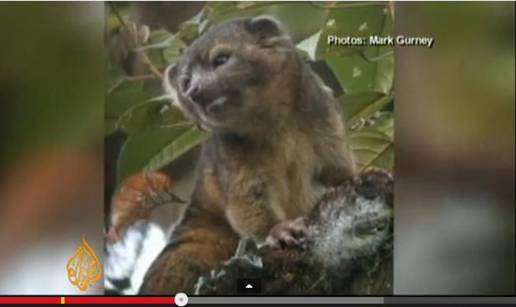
[(265, 26)]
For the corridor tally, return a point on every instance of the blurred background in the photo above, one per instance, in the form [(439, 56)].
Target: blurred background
[(454, 163), (51, 117)]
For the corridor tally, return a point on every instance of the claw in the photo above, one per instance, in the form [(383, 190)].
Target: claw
[(288, 234)]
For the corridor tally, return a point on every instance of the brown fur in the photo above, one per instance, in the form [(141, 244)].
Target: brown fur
[(276, 140)]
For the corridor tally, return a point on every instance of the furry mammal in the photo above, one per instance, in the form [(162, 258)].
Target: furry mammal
[(276, 139)]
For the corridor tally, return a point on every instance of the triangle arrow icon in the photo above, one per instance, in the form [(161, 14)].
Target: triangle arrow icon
[(249, 286)]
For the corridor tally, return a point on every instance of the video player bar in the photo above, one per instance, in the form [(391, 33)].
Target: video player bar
[(83, 299), (182, 300), (354, 300)]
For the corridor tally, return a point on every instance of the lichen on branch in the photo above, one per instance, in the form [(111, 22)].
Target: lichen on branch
[(348, 250)]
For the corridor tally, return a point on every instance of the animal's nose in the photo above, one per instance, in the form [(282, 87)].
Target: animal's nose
[(199, 94), (195, 93)]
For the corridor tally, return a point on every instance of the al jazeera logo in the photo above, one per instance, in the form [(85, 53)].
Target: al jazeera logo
[(84, 267)]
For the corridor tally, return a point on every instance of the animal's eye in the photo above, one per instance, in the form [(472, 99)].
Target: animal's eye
[(220, 60)]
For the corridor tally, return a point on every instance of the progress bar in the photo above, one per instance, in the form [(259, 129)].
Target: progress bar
[(86, 299)]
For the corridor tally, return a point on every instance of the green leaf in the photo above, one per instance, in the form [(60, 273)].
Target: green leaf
[(121, 98), (293, 15), (141, 116), (374, 145), (152, 149), (309, 45), (354, 73), (166, 48), (359, 107), (180, 145), (188, 31), (174, 50), (158, 39), (360, 22), (114, 75), (130, 107), (359, 68)]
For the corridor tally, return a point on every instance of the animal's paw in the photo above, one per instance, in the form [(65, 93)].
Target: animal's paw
[(288, 234), (375, 182)]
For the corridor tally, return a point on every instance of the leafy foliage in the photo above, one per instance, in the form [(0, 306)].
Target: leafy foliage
[(158, 133)]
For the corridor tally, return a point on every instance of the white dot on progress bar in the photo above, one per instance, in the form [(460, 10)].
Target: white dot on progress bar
[(181, 299)]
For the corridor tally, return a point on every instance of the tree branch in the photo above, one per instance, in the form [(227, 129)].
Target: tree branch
[(349, 248)]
